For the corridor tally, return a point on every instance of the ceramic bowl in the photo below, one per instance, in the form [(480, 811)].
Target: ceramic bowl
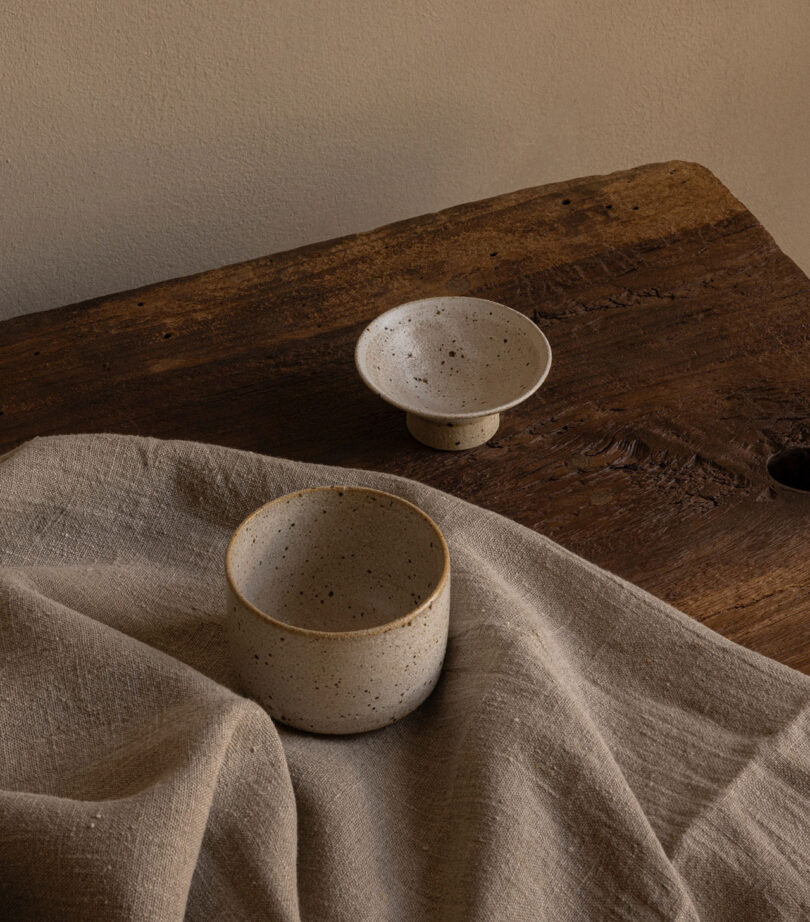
[(453, 365), (338, 607)]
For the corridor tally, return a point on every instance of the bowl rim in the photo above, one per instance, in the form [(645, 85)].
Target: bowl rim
[(442, 417), (401, 621)]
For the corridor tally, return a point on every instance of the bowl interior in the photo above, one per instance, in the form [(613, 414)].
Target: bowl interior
[(447, 358), (337, 559)]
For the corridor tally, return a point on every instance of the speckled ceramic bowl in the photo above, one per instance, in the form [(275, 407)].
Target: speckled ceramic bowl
[(338, 607), (454, 365)]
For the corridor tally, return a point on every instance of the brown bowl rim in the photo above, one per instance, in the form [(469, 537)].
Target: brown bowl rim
[(402, 621)]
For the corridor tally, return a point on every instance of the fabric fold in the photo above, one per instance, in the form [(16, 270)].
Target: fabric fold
[(589, 752)]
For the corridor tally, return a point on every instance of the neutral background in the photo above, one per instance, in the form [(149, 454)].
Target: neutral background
[(156, 138)]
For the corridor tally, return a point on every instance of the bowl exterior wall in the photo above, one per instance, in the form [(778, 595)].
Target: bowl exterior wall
[(348, 683)]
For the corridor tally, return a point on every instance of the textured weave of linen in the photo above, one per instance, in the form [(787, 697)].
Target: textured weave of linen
[(589, 752)]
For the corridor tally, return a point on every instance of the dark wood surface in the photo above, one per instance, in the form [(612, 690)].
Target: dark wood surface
[(681, 339)]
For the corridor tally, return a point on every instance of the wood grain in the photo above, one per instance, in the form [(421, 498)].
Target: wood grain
[(681, 338)]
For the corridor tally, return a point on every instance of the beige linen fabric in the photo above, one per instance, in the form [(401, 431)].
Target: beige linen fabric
[(589, 753)]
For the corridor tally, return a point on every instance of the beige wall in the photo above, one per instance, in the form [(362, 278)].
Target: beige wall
[(156, 138)]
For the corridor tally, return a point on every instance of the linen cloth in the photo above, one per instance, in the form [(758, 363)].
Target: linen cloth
[(589, 752)]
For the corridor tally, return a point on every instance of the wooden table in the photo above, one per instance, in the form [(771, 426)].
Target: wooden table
[(681, 338)]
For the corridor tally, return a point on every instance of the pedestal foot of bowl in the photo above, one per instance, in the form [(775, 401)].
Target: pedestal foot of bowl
[(453, 436)]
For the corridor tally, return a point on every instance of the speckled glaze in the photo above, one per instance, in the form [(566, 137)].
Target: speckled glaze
[(338, 607), (453, 365)]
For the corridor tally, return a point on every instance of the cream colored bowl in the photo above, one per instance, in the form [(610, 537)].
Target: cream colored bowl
[(338, 607), (454, 365)]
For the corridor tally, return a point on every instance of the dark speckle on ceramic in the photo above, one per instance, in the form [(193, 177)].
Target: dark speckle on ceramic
[(460, 360), (338, 604)]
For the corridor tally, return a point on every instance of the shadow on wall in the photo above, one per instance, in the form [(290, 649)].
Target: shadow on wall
[(160, 139), (227, 199)]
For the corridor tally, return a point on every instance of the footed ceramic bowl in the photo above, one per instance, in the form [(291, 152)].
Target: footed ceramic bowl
[(338, 607), (453, 365)]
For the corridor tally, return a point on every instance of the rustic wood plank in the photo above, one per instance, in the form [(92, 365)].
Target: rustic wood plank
[(681, 338)]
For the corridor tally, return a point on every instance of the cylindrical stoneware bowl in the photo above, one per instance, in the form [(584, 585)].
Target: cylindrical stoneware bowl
[(338, 607)]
